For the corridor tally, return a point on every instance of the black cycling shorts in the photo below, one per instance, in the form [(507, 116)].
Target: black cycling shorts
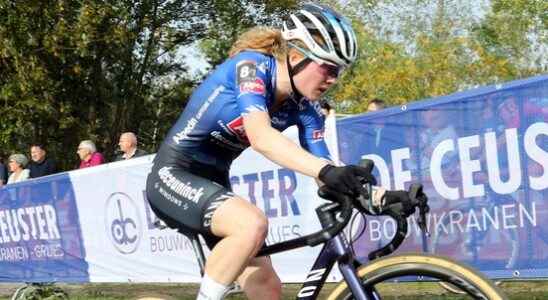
[(185, 197)]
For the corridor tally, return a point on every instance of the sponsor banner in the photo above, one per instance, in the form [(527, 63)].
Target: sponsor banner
[(40, 237), (482, 157), (122, 243), (95, 225)]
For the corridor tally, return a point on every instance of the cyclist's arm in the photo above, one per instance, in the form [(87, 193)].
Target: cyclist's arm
[(278, 148), (311, 124)]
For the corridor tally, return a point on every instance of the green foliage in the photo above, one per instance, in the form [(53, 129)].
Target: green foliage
[(411, 51), (234, 17), (73, 70), (78, 71), (40, 291), (517, 30)]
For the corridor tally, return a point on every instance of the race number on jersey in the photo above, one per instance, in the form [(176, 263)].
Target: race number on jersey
[(247, 79)]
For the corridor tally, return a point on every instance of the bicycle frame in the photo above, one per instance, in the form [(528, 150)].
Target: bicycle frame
[(334, 217), (335, 250)]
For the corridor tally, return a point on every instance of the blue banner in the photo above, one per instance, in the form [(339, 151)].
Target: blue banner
[(482, 156), (40, 237)]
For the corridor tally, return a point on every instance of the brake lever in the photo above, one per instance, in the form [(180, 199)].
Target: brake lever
[(419, 198), (423, 210)]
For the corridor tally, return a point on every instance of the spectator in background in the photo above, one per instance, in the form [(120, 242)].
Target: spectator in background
[(17, 163), (3, 173), (375, 104), (88, 154), (128, 146), (40, 164)]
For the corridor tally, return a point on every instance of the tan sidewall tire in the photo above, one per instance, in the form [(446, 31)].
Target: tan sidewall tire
[(448, 266)]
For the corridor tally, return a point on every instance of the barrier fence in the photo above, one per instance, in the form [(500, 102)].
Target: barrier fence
[(482, 156)]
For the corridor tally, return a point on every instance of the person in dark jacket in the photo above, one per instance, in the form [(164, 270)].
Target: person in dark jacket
[(41, 164), (3, 173)]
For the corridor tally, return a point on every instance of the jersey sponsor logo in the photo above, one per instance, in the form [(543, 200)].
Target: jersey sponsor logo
[(224, 141), (247, 79), (276, 121), (246, 71), (254, 87), (191, 124), (318, 134), (237, 128), (185, 190)]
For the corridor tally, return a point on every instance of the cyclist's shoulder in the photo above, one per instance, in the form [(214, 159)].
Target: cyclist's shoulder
[(261, 62), (253, 56)]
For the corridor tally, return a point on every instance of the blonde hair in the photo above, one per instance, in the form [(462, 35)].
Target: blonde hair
[(262, 39)]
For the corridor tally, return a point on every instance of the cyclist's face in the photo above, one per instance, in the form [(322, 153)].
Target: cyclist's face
[(316, 78)]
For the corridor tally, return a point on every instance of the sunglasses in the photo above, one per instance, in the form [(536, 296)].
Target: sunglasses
[(329, 70)]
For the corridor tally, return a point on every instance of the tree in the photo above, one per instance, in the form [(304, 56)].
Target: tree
[(411, 51), (517, 31), (234, 17), (73, 70)]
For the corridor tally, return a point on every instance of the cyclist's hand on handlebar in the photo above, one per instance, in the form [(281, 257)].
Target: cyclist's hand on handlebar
[(348, 179)]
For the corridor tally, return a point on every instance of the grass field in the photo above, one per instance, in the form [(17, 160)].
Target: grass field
[(530, 290)]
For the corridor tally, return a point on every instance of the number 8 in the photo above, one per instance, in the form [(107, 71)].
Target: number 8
[(244, 72)]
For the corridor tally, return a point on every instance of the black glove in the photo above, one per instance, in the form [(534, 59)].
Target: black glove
[(348, 179)]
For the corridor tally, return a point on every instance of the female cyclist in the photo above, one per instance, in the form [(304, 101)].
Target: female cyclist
[(271, 81)]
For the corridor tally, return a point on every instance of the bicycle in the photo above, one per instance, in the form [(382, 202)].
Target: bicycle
[(360, 280)]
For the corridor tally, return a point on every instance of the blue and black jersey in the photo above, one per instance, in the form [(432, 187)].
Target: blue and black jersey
[(211, 131)]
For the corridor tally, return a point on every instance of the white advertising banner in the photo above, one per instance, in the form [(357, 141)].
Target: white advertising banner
[(121, 244)]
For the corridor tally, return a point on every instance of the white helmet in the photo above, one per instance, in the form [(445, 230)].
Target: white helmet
[(338, 41)]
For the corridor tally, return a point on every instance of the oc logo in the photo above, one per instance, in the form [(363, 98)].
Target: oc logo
[(123, 223)]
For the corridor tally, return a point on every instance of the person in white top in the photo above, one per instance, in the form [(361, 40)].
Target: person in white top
[(17, 164)]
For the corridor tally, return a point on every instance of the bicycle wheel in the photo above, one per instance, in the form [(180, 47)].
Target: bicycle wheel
[(475, 285)]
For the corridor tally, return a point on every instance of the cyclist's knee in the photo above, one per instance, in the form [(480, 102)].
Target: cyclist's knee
[(255, 228)]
